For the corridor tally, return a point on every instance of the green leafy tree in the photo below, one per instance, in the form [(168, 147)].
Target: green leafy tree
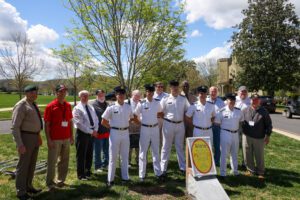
[(73, 58), (266, 46), (128, 36), (183, 70)]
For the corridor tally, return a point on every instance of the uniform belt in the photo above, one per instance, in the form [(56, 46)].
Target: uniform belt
[(175, 122), (202, 128), (230, 130), (30, 132), (120, 129), (146, 125)]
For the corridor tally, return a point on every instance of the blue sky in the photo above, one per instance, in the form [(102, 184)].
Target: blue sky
[(209, 24)]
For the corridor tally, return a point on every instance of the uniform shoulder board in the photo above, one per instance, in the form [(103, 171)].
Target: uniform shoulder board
[(156, 99), (237, 108), (183, 95), (210, 102), (221, 110), (112, 104), (143, 101)]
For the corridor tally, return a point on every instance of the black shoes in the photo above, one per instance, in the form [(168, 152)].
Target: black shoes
[(34, 191), (109, 184), (126, 181), (24, 197)]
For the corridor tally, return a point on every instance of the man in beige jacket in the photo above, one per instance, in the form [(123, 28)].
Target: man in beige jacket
[(26, 126)]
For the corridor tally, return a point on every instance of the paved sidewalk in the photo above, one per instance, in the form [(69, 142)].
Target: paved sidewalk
[(40, 105), (290, 135)]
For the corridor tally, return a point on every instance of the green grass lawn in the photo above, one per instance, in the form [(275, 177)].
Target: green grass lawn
[(9, 100), (6, 115), (282, 178)]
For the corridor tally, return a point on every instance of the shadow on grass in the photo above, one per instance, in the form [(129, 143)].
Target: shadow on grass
[(173, 185), (279, 177), (95, 188), (282, 178)]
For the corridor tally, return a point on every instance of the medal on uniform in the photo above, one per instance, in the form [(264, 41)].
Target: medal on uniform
[(64, 124), (251, 123)]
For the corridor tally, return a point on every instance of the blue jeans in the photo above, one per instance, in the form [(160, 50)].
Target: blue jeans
[(101, 153), (216, 139)]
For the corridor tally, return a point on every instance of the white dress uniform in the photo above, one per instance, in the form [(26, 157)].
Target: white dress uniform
[(118, 117), (174, 109), (147, 111), (229, 121), (202, 115)]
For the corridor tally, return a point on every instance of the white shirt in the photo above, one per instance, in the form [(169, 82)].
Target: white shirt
[(201, 114), (118, 115), (229, 119), (218, 103), (174, 108), (160, 96), (148, 111), (81, 118), (132, 103), (242, 104)]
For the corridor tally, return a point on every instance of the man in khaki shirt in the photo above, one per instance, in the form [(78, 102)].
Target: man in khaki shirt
[(26, 126)]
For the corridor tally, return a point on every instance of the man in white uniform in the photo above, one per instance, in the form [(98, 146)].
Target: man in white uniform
[(117, 117), (148, 110), (203, 113), (174, 107), (159, 94), (229, 118)]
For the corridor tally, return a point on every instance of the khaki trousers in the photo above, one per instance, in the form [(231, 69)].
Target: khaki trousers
[(254, 149), (60, 152), (26, 164)]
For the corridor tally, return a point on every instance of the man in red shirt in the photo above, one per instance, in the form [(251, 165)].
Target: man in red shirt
[(59, 132)]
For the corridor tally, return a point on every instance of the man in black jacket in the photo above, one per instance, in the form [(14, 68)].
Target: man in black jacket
[(257, 129), (101, 141)]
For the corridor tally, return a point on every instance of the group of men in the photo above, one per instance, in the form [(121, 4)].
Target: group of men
[(157, 121)]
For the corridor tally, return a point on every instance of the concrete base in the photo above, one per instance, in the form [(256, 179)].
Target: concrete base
[(206, 188)]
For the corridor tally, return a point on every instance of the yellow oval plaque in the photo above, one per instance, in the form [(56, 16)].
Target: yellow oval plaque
[(201, 156)]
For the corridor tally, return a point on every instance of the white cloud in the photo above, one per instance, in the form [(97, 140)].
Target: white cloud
[(220, 14), (217, 14), (215, 54), (196, 33), (10, 21), (41, 34)]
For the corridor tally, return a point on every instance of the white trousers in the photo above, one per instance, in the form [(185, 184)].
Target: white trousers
[(204, 133), (149, 136), (229, 145), (172, 132), (118, 145)]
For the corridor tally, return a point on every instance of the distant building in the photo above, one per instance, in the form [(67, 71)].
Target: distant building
[(7, 85), (227, 72)]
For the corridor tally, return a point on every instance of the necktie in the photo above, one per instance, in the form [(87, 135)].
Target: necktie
[(39, 114), (89, 115)]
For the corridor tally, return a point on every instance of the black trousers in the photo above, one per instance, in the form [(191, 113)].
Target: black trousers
[(84, 153)]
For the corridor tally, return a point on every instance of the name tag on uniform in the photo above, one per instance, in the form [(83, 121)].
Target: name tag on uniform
[(64, 124), (251, 123)]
